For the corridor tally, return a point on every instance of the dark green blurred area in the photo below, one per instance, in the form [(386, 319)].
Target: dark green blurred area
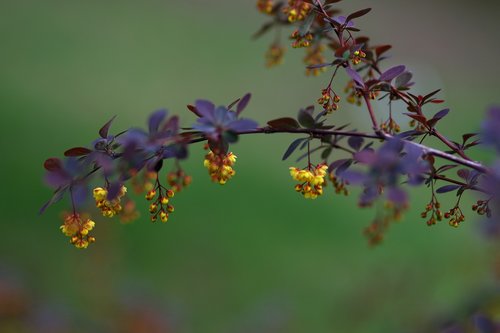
[(251, 256)]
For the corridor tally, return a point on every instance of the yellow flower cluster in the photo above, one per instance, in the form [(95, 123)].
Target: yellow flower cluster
[(329, 102), (178, 180), (357, 57), (301, 41), (220, 167), (265, 6), (311, 181), (108, 208), (274, 55), (78, 228), (296, 10), (160, 207)]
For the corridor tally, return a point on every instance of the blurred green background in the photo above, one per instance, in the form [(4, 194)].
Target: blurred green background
[(251, 256)]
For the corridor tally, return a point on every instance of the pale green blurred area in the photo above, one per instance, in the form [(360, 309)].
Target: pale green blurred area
[(228, 252)]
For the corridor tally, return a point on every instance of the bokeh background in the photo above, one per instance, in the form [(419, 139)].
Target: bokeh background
[(251, 256)]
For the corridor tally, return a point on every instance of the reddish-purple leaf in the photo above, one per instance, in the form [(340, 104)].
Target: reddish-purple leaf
[(284, 123), (103, 132), (382, 49), (463, 173), (417, 117), (193, 109), (447, 188), (357, 14), (52, 164), (391, 73), (77, 151), (467, 136), (429, 95)]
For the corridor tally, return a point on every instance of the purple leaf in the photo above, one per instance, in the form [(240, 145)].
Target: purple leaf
[(353, 177), (171, 126), (397, 196), (447, 188), (103, 132), (355, 76), (342, 20), (391, 73), (355, 142), (113, 190), (242, 104), (155, 119), (403, 79), (366, 156), (56, 197), (243, 125), (484, 324), (343, 167), (205, 108), (441, 114), (334, 165), (293, 146)]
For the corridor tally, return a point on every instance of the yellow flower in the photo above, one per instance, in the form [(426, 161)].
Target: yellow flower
[(78, 228), (312, 181), (108, 208), (220, 167)]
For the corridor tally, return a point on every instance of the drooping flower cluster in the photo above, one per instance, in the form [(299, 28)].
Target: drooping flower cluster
[(296, 10), (178, 180), (109, 208), (77, 228), (265, 6), (432, 212), (455, 216), (160, 207), (301, 40), (311, 180), (220, 166), (357, 57), (329, 102), (274, 55)]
